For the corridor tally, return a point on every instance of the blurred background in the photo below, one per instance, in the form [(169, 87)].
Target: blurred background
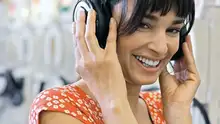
[(36, 53)]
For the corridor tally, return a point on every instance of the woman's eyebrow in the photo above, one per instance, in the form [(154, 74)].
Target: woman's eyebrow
[(151, 17), (155, 18), (178, 21)]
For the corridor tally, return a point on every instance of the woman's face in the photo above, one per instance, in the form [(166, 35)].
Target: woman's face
[(146, 52)]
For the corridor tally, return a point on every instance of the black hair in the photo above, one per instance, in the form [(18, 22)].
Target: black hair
[(183, 8)]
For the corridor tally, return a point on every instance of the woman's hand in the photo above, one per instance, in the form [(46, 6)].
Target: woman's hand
[(99, 67), (179, 90), (101, 70)]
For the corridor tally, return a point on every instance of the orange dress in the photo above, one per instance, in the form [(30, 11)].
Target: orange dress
[(73, 101)]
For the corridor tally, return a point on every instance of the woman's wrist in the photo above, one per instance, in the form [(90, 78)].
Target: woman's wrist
[(117, 111), (114, 104), (178, 115)]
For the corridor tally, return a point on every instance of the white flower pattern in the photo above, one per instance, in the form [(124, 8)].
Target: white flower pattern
[(73, 101)]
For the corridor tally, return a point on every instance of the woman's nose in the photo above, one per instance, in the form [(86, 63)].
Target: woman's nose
[(159, 45)]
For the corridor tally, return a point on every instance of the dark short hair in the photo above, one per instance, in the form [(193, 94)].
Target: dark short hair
[(183, 8)]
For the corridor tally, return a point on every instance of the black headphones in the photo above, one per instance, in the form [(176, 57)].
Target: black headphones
[(103, 10)]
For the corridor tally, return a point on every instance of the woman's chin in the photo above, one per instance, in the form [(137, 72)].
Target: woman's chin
[(145, 80), (148, 82)]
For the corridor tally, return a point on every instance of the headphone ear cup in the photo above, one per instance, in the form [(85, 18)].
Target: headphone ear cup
[(102, 25), (179, 54), (103, 15)]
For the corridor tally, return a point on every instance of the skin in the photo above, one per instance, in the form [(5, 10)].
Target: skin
[(156, 44), (119, 78)]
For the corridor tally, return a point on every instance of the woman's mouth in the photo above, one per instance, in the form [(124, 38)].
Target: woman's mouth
[(148, 64)]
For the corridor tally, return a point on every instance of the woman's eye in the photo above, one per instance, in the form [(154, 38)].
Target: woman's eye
[(145, 26), (173, 32)]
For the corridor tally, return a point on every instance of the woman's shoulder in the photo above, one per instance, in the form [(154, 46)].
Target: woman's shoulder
[(152, 99), (59, 96), (154, 104), (68, 99), (151, 95)]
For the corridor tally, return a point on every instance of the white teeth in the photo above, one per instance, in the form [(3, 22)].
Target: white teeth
[(156, 62), (147, 62), (150, 62)]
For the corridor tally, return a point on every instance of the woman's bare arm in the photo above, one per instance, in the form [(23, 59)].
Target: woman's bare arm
[(118, 112), (57, 118)]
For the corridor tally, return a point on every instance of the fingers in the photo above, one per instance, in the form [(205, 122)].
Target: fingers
[(79, 34), (189, 42), (73, 28), (74, 32), (177, 66), (112, 36), (76, 49), (163, 75), (189, 59), (167, 81), (77, 56), (90, 35), (180, 70), (193, 75)]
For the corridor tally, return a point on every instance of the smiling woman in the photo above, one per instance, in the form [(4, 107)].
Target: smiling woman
[(143, 36)]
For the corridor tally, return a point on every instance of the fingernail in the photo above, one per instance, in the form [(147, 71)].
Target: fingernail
[(80, 12), (112, 20), (93, 12)]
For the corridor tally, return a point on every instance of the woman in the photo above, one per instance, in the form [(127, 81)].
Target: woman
[(109, 90)]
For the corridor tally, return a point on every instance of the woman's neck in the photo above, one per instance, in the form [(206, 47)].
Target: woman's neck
[(133, 96)]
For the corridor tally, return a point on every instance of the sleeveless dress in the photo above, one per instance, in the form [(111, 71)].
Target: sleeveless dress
[(73, 101)]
